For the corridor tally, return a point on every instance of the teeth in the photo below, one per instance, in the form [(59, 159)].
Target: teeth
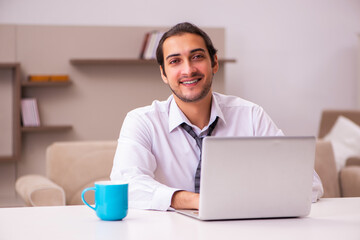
[(190, 82)]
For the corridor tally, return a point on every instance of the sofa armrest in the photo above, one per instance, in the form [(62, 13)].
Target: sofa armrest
[(350, 181), (38, 190), (326, 168)]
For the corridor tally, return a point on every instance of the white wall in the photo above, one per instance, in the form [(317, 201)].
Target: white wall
[(294, 58)]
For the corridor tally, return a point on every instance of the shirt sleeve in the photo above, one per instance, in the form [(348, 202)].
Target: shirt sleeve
[(317, 189), (264, 126), (135, 164)]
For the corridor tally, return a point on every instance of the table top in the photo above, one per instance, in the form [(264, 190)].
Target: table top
[(331, 218)]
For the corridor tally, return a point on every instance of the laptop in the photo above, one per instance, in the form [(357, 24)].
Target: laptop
[(255, 177)]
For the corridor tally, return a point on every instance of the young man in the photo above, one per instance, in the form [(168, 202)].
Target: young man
[(159, 148)]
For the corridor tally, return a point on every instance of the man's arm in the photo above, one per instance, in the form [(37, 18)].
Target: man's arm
[(185, 200), (135, 163)]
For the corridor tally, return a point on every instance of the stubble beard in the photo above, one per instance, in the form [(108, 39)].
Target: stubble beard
[(203, 93)]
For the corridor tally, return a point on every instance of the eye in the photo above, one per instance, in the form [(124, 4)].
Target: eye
[(173, 61), (198, 56)]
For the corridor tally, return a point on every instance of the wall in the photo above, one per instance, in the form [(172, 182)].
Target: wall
[(294, 58), (299, 56), (97, 101)]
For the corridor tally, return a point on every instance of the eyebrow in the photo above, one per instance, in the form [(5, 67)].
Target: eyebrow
[(192, 51)]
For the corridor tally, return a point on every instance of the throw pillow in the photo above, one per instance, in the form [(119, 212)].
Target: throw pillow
[(345, 139)]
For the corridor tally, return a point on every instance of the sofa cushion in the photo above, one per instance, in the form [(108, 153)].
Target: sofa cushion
[(74, 165), (345, 139), (89, 195), (326, 168)]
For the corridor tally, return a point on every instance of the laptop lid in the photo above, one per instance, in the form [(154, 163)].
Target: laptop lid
[(256, 177)]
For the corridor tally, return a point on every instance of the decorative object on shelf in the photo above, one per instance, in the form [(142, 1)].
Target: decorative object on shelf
[(30, 112), (39, 78), (150, 43), (49, 78), (59, 78)]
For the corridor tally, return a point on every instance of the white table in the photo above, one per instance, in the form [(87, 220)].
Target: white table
[(337, 218)]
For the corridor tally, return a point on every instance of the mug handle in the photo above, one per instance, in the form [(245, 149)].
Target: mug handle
[(82, 196)]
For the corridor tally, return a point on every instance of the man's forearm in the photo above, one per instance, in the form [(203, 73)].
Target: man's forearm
[(185, 200)]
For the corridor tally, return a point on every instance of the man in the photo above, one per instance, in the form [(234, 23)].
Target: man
[(159, 147)]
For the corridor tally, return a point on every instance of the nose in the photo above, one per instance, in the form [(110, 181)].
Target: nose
[(188, 68)]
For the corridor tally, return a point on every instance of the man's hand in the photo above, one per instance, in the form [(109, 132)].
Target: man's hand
[(185, 200)]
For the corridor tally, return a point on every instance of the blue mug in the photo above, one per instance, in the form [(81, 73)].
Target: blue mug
[(111, 200)]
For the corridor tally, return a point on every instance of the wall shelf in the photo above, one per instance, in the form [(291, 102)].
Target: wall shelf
[(45, 84), (18, 129), (5, 65), (44, 128), (57, 128), (110, 61)]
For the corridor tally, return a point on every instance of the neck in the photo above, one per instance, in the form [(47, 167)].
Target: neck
[(198, 112)]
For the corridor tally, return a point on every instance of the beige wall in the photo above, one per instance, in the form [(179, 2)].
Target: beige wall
[(294, 58), (100, 96)]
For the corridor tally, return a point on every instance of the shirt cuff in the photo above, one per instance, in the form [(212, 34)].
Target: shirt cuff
[(162, 198), (317, 188)]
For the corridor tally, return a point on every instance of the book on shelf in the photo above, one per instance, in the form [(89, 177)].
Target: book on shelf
[(150, 44), (30, 112), (48, 78), (143, 47)]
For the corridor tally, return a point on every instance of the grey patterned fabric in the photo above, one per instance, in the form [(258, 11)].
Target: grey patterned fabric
[(198, 140)]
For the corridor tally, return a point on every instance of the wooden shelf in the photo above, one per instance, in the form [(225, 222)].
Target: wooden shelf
[(58, 128), (45, 128), (9, 64), (109, 61), (17, 93), (7, 159), (106, 61), (45, 84)]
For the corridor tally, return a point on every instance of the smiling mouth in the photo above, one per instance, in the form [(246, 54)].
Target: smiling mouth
[(191, 81)]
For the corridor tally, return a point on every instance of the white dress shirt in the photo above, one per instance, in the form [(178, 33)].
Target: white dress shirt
[(158, 157)]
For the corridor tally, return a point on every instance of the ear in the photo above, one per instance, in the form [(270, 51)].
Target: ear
[(164, 78), (215, 68)]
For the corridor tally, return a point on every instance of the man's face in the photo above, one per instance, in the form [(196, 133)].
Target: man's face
[(188, 67)]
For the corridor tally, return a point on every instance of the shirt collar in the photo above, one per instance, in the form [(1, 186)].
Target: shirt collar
[(177, 117)]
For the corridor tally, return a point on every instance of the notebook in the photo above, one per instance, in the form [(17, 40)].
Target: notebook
[(255, 177)]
